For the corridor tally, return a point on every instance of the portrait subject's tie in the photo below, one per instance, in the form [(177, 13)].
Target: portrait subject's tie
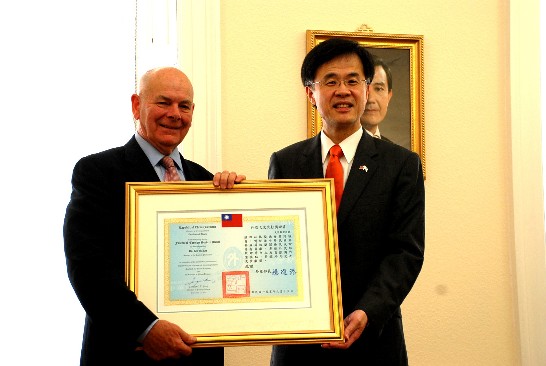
[(335, 170), (171, 174)]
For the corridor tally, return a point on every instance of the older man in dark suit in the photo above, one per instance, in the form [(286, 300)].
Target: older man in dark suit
[(380, 218), (119, 329)]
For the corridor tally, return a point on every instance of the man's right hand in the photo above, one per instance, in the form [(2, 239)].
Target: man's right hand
[(167, 340)]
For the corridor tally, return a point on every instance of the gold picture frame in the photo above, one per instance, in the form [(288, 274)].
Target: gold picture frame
[(236, 267), (405, 121)]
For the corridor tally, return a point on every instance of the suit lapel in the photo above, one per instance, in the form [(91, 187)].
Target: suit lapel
[(363, 168), (310, 161), (137, 166)]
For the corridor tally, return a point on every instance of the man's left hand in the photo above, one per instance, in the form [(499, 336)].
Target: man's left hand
[(354, 326), (227, 179)]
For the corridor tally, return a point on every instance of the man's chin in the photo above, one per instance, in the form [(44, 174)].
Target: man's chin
[(368, 123)]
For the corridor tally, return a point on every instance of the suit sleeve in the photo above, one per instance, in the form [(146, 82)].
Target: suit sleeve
[(274, 171), (403, 246), (94, 237)]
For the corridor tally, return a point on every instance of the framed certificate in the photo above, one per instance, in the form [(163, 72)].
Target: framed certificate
[(250, 265)]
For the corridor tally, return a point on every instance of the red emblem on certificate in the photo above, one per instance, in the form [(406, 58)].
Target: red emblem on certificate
[(235, 284)]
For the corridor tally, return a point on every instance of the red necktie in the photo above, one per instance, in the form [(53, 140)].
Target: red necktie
[(171, 174), (335, 170)]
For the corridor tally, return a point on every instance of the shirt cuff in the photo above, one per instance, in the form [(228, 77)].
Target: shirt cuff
[(145, 333)]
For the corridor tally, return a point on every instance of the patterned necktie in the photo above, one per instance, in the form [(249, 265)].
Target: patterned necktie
[(171, 174), (335, 170)]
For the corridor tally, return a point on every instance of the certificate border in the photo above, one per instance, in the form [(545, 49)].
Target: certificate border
[(330, 314)]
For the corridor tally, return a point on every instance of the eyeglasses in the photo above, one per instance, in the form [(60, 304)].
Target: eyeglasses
[(351, 83)]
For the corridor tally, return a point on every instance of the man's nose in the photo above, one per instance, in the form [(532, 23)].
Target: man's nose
[(342, 89), (174, 112)]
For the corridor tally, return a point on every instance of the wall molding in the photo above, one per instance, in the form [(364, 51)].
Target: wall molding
[(199, 56), (527, 179)]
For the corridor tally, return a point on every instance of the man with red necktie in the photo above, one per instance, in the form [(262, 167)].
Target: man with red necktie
[(381, 215)]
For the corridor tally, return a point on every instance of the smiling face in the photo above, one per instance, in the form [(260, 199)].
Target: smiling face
[(378, 101), (164, 108), (340, 107)]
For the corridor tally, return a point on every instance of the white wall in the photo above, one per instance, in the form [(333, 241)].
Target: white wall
[(66, 77)]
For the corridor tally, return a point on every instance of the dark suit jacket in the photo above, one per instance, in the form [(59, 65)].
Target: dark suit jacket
[(381, 225), (94, 236), (385, 138)]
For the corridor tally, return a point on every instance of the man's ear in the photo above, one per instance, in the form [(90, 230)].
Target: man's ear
[(310, 95), (135, 106)]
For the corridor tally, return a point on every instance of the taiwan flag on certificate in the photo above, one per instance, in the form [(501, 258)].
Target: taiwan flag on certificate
[(232, 220)]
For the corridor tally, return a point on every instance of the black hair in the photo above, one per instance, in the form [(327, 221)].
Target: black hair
[(330, 49), (380, 62)]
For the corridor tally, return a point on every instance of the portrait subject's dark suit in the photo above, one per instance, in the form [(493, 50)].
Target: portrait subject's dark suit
[(94, 236), (381, 245), (385, 138)]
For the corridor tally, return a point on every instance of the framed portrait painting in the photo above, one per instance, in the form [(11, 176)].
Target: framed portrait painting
[(404, 123)]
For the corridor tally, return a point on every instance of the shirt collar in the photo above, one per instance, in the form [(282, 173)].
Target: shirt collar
[(155, 156), (377, 134), (348, 145)]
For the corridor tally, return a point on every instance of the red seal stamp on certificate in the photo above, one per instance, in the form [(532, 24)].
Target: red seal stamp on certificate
[(236, 284)]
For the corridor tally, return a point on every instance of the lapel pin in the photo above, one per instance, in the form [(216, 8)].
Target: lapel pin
[(363, 167)]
